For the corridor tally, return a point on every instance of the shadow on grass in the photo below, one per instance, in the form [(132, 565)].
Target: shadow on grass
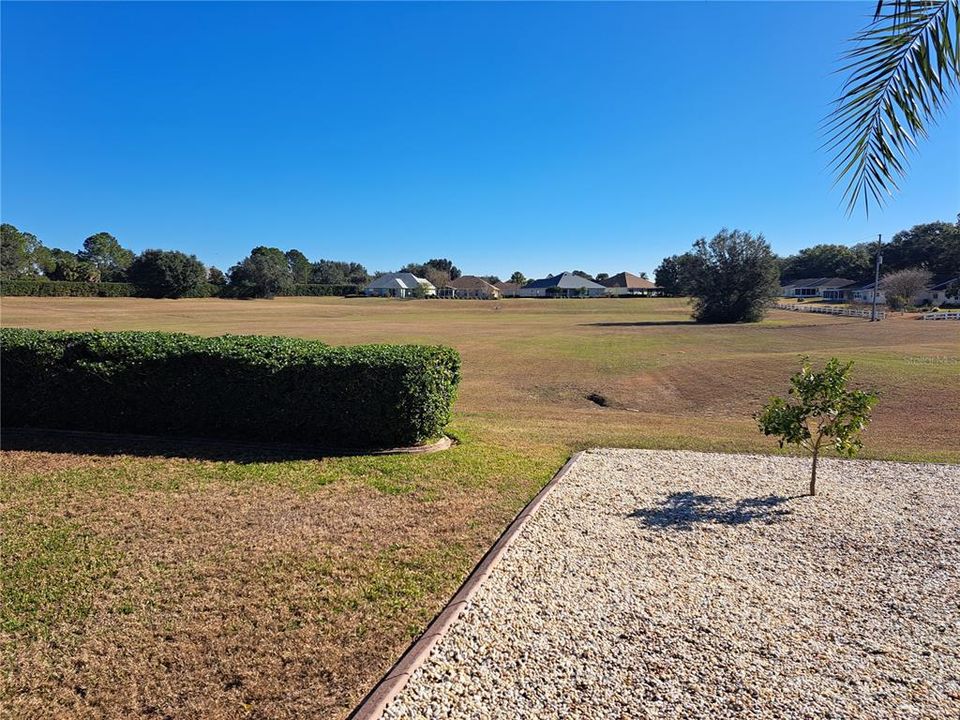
[(75, 442), (683, 510), (644, 323)]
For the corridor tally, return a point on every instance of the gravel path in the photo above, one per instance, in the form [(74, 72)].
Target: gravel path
[(689, 585)]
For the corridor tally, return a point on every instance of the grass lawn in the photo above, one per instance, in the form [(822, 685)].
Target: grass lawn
[(153, 581)]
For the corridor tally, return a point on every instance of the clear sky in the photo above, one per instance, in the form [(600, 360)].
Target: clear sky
[(532, 137)]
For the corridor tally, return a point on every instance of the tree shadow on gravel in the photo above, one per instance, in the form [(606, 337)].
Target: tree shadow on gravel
[(683, 510)]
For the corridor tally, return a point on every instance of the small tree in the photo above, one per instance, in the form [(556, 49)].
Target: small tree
[(821, 411), (518, 278), (902, 286)]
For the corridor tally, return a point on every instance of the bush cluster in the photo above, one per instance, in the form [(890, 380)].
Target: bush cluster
[(230, 387), (64, 288)]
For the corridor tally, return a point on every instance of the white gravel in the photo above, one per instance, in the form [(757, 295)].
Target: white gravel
[(683, 585)]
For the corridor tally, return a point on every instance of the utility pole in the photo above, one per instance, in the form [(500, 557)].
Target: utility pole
[(876, 280)]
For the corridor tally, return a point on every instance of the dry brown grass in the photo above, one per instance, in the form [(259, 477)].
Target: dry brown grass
[(138, 585)]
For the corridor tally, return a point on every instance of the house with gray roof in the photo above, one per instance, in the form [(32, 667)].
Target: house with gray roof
[(398, 284), (829, 288), (566, 284)]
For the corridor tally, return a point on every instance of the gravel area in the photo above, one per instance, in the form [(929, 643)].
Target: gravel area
[(658, 584)]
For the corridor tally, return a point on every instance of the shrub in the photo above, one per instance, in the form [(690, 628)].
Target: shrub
[(63, 288), (230, 387)]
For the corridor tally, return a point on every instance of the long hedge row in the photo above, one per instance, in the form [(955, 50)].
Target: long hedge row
[(236, 387), (64, 288)]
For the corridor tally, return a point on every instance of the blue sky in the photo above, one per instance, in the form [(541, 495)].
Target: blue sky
[(537, 137)]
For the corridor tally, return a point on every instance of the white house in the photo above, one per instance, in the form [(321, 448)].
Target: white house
[(399, 284)]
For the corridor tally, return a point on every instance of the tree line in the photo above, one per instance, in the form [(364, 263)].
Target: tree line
[(266, 272), (932, 247)]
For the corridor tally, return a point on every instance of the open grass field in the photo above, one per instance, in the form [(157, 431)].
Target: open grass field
[(155, 580)]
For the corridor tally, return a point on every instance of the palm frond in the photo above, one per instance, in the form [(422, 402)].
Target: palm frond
[(900, 73)]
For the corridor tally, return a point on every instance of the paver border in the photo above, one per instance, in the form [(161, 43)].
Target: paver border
[(390, 685)]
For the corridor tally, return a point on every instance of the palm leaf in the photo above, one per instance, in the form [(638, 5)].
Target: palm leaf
[(900, 73)]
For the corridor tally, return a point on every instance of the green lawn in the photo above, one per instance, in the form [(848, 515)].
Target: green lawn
[(143, 580)]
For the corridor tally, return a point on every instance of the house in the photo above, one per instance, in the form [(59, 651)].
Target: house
[(507, 289), (934, 294), (828, 288), (627, 284), (565, 284), (469, 287), (398, 284)]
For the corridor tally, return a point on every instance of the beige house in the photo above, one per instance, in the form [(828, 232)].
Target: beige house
[(507, 289), (629, 284), (469, 287)]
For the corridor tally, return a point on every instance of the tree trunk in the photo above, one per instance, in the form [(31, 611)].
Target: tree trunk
[(813, 472)]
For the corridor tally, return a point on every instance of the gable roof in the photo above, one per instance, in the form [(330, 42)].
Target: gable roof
[(507, 286), (566, 280), (627, 280), (827, 282), (471, 282), (404, 280)]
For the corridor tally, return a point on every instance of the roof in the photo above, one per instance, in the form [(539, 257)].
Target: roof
[(627, 280), (471, 282), (565, 280), (507, 286), (404, 280), (828, 282)]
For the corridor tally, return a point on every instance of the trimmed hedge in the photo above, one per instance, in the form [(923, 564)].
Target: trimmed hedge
[(66, 288), (236, 387), (312, 289)]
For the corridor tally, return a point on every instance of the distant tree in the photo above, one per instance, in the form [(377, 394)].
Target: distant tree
[(105, 252), (444, 265), (582, 274), (673, 274), (644, 276), (166, 273), (820, 409), (437, 278), (854, 263), (492, 279), (216, 277), (734, 278), (300, 267), (67, 266), (931, 246), (902, 286), (439, 264), (264, 274), (20, 253), (335, 272), (602, 276), (518, 278)]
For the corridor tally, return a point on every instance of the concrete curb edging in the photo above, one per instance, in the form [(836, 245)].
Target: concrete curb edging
[(376, 701)]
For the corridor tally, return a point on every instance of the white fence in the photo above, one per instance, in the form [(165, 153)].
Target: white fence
[(948, 315), (828, 310)]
